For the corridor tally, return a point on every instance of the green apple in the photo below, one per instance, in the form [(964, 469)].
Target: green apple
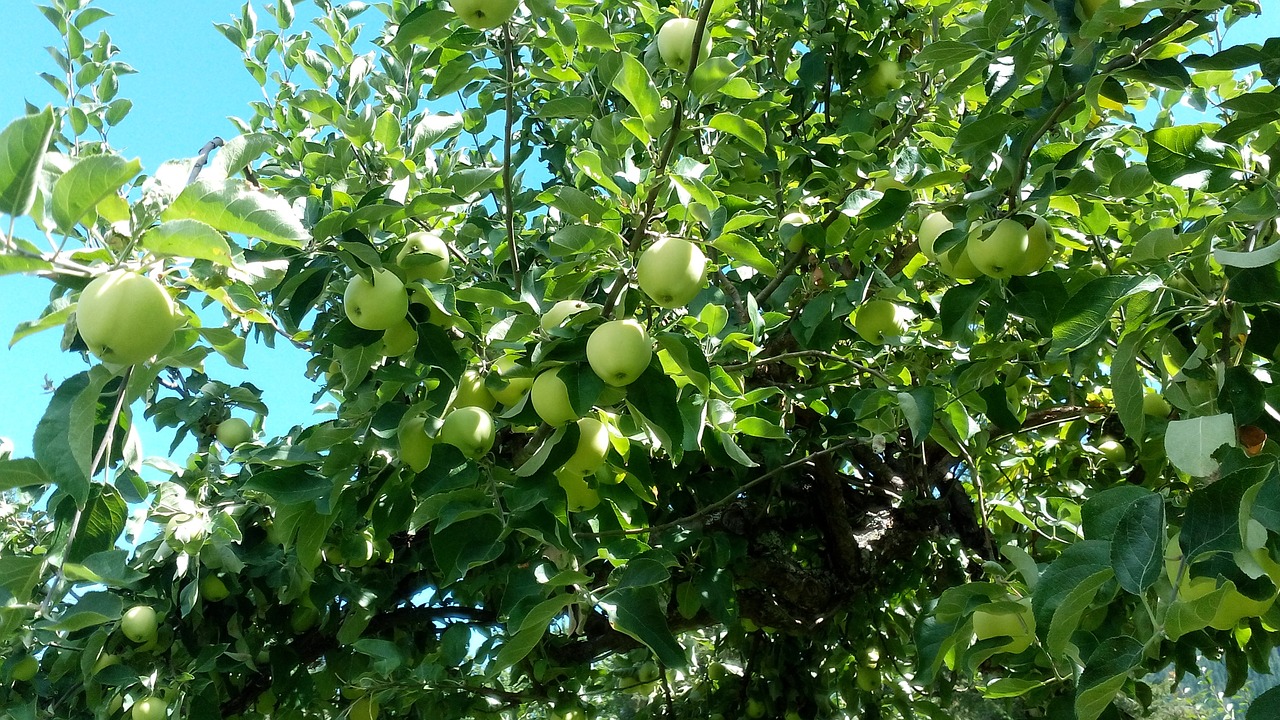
[(550, 398), (1089, 7), (517, 383), (1040, 247), (470, 429), (303, 619), (869, 678), (619, 351), (647, 672), (25, 669), (213, 589), (878, 320), (672, 271), (105, 660), (415, 444), (149, 708), (139, 624), (365, 708), (473, 393), (675, 43), (1011, 619), (791, 230), (484, 15), (931, 228), (399, 339), (755, 708), (377, 305), (125, 318), (560, 312), (886, 75), (233, 431), (357, 549), (998, 248), (424, 256), (1154, 404), (579, 494), (593, 446), (1112, 450), (956, 262)]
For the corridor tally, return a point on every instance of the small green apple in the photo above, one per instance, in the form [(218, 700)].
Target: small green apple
[(1040, 247), (233, 431), (139, 624), (484, 15), (517, 382), (303, 619), (886, 75), (931, 228), (619, 351), (357, 548), (755, 708), (105, 660), (550, 398), (647, 672), (672, 271), (1154, 404), (998, 248), (365, 708), (213, 589), (473, 393), (878, 320), (399, 339), (593, 446), (125, 318), (424, 256), (791, 230), (415, 444), (1112, 450), (560, 312), (25, 669), (376, 305), (149, 708), (470, 429), (869, 679), (675, 43), (956, 262), (579, 494), (1011, 619), (1087, 8)]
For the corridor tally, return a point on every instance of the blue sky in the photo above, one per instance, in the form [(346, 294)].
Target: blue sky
[(189, 80)]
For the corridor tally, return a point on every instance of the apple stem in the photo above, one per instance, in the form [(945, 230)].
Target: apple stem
[(509, 62)]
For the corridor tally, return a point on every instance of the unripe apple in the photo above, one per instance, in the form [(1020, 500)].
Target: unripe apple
[(885, 76), (303, 619), (1014, 620), (105, 660), (1112, 450), (593, 446), (675, 42), (415, 444), (931, 228), (1040, 247), (672, 271), (25, 669), (755, 708), (647, 672), (1154, 404), (376, 305), (213, 589), (139, 624), (956, 262), (149, 708), (357, 549), (550, 398), (470, 429), (619, 351), (1089, 7), (473, 393), (560, 312), (580, 496), (424, 256), (484, 15), (998, 248), (125, 318), (399, 339), (517, 384), (877, 320), (233, 431)]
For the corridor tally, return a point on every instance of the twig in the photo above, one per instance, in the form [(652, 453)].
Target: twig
[(203, 158), (509, 66), (731, 291), (808, 353)]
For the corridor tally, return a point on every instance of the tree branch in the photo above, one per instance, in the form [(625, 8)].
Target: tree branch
[(509, 63)]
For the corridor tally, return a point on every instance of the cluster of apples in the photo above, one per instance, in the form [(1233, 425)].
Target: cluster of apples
[(1020, 245), (671, 272)]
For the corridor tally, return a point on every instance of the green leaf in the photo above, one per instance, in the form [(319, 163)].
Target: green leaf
[(1185, 157), (290, 485), (1137, 550), (654, 398), (1080, 561), (712, 75), (234, 206), (1212, 520), (100, 525), (945, 54), (92, 609), (24, 472), (86, 184), (188, 239), (237, 153), (110, 567), (64, 436), (1101, 514), (959, 305), (1105, 674), (639, 612), (1070, 608), (466, 545), (1266, 706), (1089, 311), (638, 573), (578, 239), (746, 130), (917, 407), (745, 252), (22, 146), (19, 574), (636, 86), (1127, 386), (1190, 444), (688, 355), (533, 627)]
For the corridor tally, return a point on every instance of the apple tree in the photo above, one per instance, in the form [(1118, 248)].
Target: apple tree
[(796, 358)]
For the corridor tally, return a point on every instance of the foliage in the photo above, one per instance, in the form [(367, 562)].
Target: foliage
[(792, 520)]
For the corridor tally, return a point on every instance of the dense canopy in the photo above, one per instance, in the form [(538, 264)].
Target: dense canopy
[(791, 358)]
